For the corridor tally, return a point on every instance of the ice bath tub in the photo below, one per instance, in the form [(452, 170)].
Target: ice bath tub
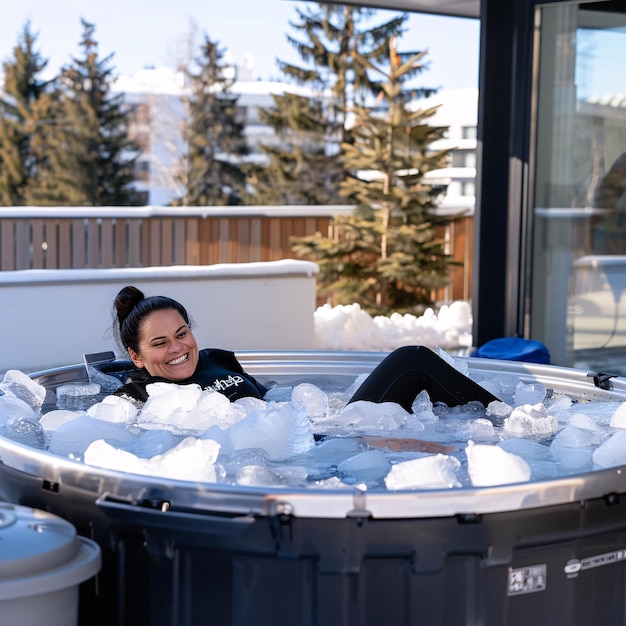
[(179, 552)]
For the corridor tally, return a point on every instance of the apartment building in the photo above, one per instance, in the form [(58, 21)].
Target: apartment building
[(157, 113)]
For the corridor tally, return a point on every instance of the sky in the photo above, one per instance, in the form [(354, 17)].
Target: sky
[(144, 33)]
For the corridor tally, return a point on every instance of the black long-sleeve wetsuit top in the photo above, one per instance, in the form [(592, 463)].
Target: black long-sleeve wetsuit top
[(398, 378), (217, 369)]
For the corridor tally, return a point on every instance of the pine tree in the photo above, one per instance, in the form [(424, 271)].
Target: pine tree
[(386, 256), (310, 122), (88, 157), (214, 133), (22, 89)]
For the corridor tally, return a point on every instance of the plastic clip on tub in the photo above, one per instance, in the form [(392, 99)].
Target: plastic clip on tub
[(42, 563)]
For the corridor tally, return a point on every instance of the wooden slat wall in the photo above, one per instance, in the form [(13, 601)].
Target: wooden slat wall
[(33, 243)]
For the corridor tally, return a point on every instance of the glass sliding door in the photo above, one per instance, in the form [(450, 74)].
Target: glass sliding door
[(578, 303)]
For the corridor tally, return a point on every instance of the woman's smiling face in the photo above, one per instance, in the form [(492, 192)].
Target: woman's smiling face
[(167, 347)]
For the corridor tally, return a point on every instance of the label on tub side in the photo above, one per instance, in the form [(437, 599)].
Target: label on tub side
[(574, 567), (527, 579)]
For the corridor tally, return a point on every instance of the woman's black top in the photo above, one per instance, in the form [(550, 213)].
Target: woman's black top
[(399, 377), (217, 369)]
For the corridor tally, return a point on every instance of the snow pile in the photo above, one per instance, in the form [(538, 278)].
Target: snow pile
[(349, 327)]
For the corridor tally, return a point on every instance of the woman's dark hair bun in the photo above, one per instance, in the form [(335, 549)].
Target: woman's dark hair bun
[(126, 300)]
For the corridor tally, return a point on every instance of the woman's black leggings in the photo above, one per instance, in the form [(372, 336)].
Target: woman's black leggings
[(401, 375)]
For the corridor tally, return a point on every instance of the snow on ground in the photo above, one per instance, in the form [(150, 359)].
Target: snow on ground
[(349, 327)]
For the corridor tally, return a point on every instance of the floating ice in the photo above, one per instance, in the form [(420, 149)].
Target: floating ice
[(113, 409), (192, 459), (430, 472), (20, 385), (53, 419), (106, 383), (573, 447), (26, 431), (363, 416), (311, 399), (618, 419), (532, 393), (491, 465), (150, 443), (422, 408), (530, 419), (14, 408), (77, 395), (366, 466), (612, 452), (281, 430), (215, 409), (73, 438)]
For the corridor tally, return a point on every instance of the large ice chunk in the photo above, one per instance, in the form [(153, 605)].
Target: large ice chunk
[(366, 466), (491, 465), (26, 431), (573, 447), (73, 438), (192, 459), (618, 418), (22, 386), (611, 453), (14, 408), (53, 419), (311, 399), (429, 472), (281, 430), (363, 416), (113, 409), (530, 419)]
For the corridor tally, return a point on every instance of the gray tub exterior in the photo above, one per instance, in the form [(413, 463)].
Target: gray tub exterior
[(512, 554)]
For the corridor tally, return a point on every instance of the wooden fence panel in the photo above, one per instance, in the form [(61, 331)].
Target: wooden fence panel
[(161, 240), (39, 243), (8, 239)]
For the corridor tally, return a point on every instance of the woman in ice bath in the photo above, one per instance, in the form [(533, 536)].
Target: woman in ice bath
[(156, 333)]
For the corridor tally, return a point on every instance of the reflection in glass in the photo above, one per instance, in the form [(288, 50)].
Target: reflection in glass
[(578, 306)]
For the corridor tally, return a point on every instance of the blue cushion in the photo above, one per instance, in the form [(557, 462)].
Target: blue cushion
[(514, 349)]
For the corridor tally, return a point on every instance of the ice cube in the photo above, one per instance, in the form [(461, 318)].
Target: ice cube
[(14, 408), (53, 419), (530, 419), (430, 472), (150, 443), (108, 384), (73, 438), (612, 452), (113, 409), (367, 416), (250, 404), (573, 447), (165, 398), (481, 428), (422, 403), (254, 475), (215, 409), (22, 386), (491, 465), (532, 393), (26, 431), (278, 394), (618, 418), (311, 399), (366, 466), (192, 459), (528, 450), (281, 430), (77, 395)]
